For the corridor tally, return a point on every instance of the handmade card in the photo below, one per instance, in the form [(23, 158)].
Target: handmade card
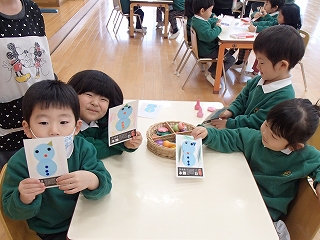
[(122, 122), (46, 159), (242, 35), (189, 158), (149, 110)]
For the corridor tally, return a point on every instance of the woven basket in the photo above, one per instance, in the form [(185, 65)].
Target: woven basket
[(161, 150)]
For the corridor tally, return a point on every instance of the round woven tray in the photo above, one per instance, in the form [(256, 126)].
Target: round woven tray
[(159, 149)]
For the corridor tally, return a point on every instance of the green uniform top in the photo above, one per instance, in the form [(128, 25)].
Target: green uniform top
[(207, 34), (51, 211), (275, 173), (266, 21), (178, 5), (251, 106)]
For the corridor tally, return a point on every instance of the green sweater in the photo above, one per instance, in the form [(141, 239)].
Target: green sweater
[(125, 5), (207, 34), (51, 211), (251, 106), (266, 21), (275, 173), (178, 5), (99, 138)]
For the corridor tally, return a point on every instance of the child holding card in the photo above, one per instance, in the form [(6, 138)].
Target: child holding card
[(51, 109), (98, 93)]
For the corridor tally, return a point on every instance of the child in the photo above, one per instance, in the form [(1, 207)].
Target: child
[(25, 59), (278, 155), (51, 108), (97, 93), (188, 12), (177, 9), (278, 49), (289, 14), (125, 6), (208, 30)]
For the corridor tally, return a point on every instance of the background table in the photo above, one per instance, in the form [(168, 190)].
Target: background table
[(147, 201), (151, 3)]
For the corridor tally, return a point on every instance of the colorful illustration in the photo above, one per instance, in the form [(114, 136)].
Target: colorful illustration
[(44, 153), (150, 108), (188, 150), (123, 115)]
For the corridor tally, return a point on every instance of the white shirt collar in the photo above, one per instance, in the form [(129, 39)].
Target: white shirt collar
[(276, 85), (286, 151), (272, 14), (201, 18), (85, 125)]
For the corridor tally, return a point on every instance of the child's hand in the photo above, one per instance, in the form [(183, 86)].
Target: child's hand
[(252, 28), (246, 23), (219, 123), (257, 15), (199, 132), (29, 188), (263, 11), (226, 114), (76, 181), (134, 142)]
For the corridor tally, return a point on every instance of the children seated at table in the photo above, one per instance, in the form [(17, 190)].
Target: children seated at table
[(278, 155), (125, 5), (278, 49), (175, 10), (50, 109), (98, 93), (208, 29)]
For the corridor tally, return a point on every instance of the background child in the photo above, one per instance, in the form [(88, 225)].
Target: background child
[(50, 109), (278, 155), (125, 5), (188, 12), (208, 28), (176, 9), (289, 14), (97, 93), (278, 49)]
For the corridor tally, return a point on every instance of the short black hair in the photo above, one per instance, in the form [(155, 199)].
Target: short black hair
[(291, 15), (280, 42), (188, 8), (295, 120), (50, 93), (275, 3), (99, 83), (197, 5)]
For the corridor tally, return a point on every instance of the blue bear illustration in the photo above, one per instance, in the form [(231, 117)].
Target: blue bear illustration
[(123, 115), (188, 148), (44, 154), (150, 108)]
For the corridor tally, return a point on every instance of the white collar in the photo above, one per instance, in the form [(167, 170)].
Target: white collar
[(201, 18), (276, 85), (85, 125), (286, 151), (272, 14)]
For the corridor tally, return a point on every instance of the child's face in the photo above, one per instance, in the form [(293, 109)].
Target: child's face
[(51, 122), (270, 140), (268, 71), (267, 7), (280, 18), (206, 14), (92, 106)]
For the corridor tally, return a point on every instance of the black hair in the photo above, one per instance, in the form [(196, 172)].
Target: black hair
[(275, 3), (197, 5), (295, 120), (99, 83), (291, 15), (50, 93), (188, 8), (280, 42)]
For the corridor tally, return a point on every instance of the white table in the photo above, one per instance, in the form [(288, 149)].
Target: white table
[(147, 201)]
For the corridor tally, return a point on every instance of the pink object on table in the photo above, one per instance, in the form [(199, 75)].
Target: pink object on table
[(211, 109), (200, 113), (197, 106), (163, 129)]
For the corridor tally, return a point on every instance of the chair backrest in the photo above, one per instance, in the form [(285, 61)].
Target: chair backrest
[(305, 36), (315, 139), (194, 42), (303, 218), (185, 32), (15, 230), (116, 4)]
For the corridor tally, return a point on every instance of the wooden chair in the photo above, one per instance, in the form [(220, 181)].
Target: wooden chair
[(15, 230), (305, 36), (303, 218), (194, 52), (315, 139)]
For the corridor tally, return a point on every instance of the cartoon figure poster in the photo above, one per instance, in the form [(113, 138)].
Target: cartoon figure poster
[(189, 158), (149, 110), (46, 158), (122, 122)]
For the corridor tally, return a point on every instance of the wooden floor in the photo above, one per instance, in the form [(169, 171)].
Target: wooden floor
[(142, 65)]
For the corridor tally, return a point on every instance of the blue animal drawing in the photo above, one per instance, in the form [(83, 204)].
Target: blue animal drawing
[(123, 115), (150, 108), (188, 149), (44, 153)]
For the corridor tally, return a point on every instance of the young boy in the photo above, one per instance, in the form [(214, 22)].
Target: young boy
[(278, 49), (208, 28), (125, 6), (51, 108), (278, 155)]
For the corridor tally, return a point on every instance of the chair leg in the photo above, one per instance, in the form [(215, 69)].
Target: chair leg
[(177, 72), (303, 75), (119, 25), (184, 63), (224, 77), (194, 66), (181, 45), (110, 17)]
